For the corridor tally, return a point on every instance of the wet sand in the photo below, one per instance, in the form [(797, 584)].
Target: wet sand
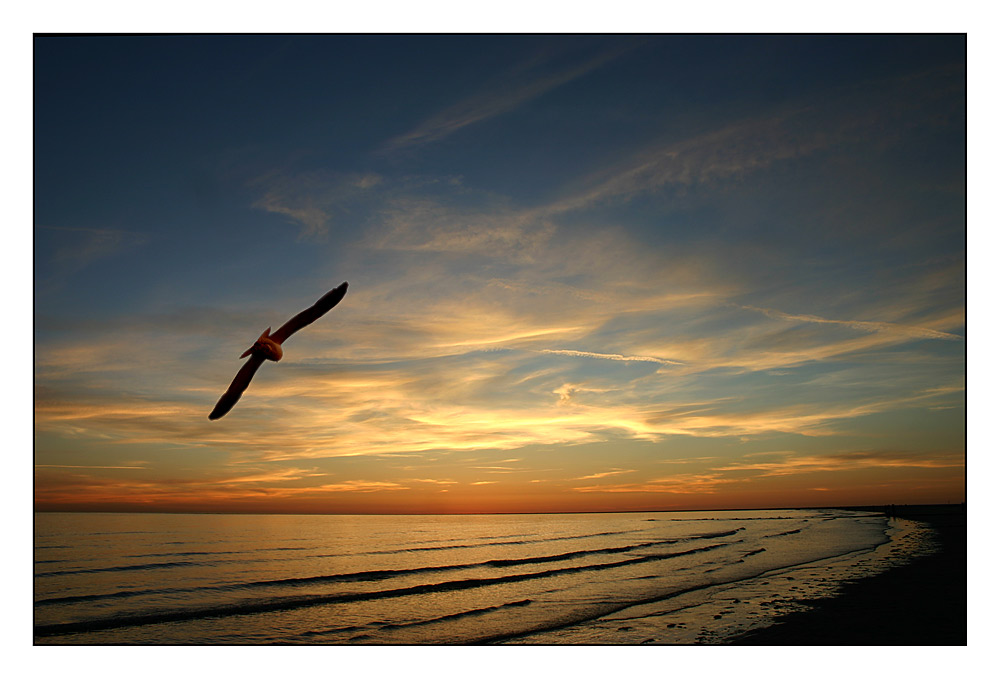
[(922, 603)]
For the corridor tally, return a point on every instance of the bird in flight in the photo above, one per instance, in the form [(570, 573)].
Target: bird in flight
[(268, 346)]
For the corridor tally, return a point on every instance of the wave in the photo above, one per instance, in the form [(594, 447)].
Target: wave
[(747, 518), (503, 542), (81, 598), (787, 532), (399, 550), (291, 603), (178, 564), (430, 621), (456, 616), (112, 569), (375, 575), (722, 534), (166, 554)]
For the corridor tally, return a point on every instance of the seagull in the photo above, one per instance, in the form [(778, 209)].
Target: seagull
[(268, 346)]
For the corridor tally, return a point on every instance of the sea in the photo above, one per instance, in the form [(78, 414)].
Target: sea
[(552, 579)]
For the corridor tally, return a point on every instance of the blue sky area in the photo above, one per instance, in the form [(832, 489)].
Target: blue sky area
[(586, 272)]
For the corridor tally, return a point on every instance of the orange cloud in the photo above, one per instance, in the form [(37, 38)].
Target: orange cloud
[(683, 484)]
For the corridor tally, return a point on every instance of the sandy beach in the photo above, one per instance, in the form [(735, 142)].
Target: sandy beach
[(922, 603)]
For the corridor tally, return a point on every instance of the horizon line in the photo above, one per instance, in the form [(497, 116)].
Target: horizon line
[(867, 507)]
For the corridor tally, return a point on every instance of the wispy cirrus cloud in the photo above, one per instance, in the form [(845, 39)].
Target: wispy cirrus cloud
[(754, 144), (601, 475), (57, 486), (410, 219), (312, 199), (429, 224), (76, 249), (522, 83), (759, 347), (83, 246), (790, 463), (329, 411), (289, 474), (446, 365), (437, 482), (83, 466), (865, 326), (682, 484), (779, 465), (611, 357)]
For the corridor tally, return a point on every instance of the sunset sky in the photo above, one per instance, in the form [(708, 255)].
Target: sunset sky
[(586, 273)]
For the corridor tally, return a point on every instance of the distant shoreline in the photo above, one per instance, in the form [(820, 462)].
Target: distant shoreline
[(922, 603)]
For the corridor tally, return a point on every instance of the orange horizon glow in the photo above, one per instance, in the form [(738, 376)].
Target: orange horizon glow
[(938, 483)]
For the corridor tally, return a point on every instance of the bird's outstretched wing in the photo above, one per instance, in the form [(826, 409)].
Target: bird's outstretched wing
[(304, 318), (239, 385)]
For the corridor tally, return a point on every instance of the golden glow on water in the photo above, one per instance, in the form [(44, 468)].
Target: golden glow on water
[(117, 578)]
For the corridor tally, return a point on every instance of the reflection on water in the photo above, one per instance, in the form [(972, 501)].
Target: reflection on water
[(579, 578)]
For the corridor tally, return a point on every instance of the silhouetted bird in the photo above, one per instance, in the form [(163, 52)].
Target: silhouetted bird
[(268, 347)]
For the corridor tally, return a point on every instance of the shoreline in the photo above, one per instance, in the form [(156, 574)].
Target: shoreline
[(920, 603)]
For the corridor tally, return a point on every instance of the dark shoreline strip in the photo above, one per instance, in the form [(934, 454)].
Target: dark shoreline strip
[(921, 603), (291, 603)]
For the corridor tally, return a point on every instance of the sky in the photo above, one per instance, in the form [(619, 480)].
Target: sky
[(587, 273)]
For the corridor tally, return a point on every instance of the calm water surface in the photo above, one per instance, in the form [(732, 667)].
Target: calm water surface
[(679, 577)]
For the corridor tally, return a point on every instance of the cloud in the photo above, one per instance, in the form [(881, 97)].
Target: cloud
[(717, 477), (291, 474), (683, 484), (59, 486), (83, 246), (424, 223), (865, 326), (464, 372), (450, 347), (757, 347), (601, 475), (611, 357), (312, 199), (791, 463), (424, 361), (355, 487), (877, 112), (82, 466), (521, 84), (323, 416), (808, 419), (76, 248)]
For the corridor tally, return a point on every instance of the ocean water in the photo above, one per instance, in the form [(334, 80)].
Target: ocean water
[(677, 577)]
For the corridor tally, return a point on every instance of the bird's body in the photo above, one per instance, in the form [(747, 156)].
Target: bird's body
[(268, 347)]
